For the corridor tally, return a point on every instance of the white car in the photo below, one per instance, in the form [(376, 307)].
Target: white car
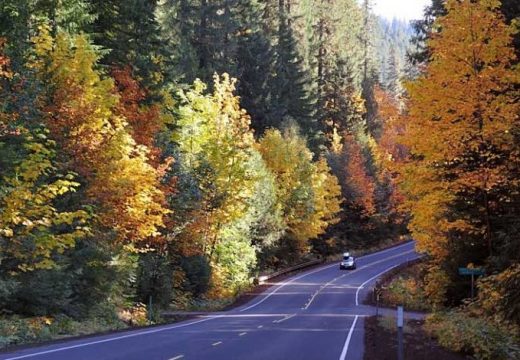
[(348, 262)]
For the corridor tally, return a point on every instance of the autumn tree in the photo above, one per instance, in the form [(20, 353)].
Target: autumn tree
[(29, 222), (307, 192), (460, 129), (216, 143), (83, 119)]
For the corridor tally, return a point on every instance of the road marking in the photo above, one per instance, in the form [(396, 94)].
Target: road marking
[(242, 334), (217, 343), (320, 289), (350, 273), (260, 326), (133, 334), (177, 357), (374, 277), (111, 339), (315, 271), (285, 318), (347, 341), (369, 280)]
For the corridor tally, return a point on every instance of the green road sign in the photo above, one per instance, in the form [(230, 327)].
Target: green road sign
[(468, 271)]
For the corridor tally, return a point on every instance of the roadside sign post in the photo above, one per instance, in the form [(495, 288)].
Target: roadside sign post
[(377, 303), (400, 324), (471, 272), (150, 310), (472, 286)]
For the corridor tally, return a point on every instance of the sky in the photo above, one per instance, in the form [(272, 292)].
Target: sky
[(401, 9)]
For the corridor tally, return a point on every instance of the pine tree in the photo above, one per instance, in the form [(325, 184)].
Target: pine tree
[(292, 83), (511, 10), (393, 76), (255, 63), (130, 32), (20, 19), (179, 20), (423, 31)]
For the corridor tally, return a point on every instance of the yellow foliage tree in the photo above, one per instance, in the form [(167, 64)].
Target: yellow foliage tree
[(32, 230), (81, 115), (216, 141), (308, 193)]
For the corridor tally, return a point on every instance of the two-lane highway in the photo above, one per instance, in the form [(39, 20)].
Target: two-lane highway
[(313, 315)]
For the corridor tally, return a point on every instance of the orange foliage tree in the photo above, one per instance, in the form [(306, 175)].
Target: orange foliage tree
[(462, 117), (359, 184), (85, 117)]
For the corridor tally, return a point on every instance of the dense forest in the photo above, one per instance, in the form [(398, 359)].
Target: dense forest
[(170, 151)]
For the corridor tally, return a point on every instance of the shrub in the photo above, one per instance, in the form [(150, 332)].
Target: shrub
[(15, 330), (479, 337), (407, 292)]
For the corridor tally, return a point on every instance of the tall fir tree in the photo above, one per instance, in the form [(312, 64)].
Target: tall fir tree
[(130, 32), (292, 83)]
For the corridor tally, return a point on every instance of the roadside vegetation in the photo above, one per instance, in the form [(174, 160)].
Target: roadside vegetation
[(161, 154), (460, 178), (402, 286), (381, 341)]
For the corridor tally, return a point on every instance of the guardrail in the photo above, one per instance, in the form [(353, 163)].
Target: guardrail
[(263, 278), (357, 253)]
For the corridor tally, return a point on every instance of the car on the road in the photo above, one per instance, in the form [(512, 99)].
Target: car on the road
[(348, 262)]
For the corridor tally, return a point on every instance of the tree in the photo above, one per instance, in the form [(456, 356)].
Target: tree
[(393, 76), (459, 178), (292, 82), (20, 19), (216, 144), (130, 33), (32, 229), (82, 117), (307, 193), (420, 54)]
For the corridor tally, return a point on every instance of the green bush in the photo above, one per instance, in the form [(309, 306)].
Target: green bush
[(479, 337)]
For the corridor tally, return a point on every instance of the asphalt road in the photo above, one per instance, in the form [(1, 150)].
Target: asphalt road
[(315, 315)]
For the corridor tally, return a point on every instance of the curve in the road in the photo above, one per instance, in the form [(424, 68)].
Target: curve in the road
[(316, 316)]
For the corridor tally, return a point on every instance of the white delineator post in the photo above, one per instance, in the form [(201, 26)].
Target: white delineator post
[(400, 324)]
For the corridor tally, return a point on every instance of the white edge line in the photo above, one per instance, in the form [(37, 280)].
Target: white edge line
[(195, 322), (313, 272), (111, 339), (354, 271), (347, 341), (369, 280)]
